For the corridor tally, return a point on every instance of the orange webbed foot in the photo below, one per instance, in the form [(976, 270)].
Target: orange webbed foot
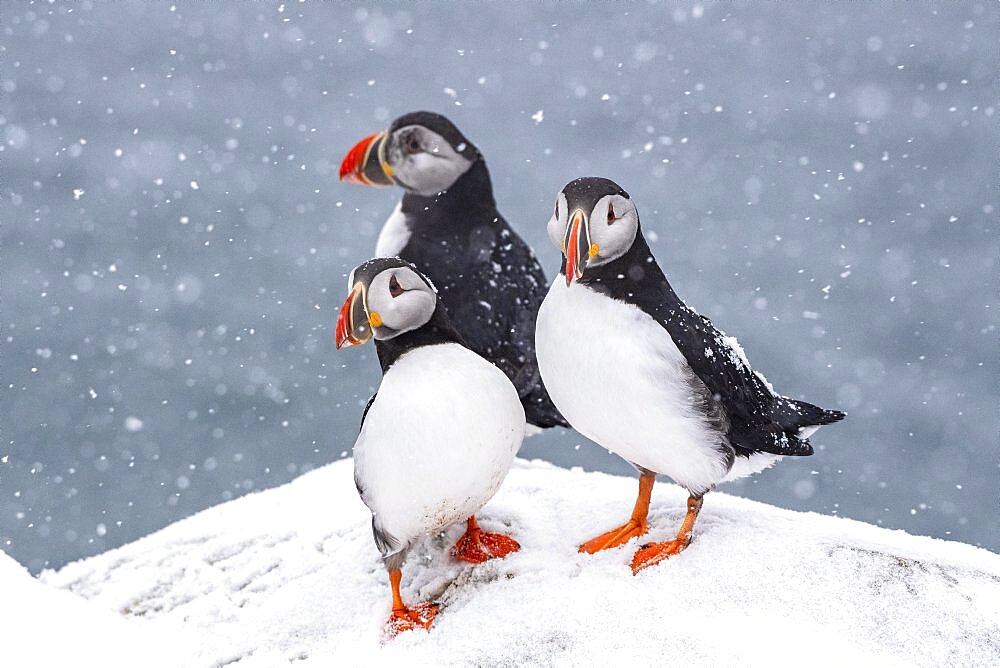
[(654, 553), (615, 537), (636, 525), (476, 546), (406, 619)]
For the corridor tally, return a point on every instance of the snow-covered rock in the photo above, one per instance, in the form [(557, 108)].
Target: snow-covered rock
[(291, 576)]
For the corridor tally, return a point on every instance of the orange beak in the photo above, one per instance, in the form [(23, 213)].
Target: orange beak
[(353, 327), (364, 164), (577, 246)]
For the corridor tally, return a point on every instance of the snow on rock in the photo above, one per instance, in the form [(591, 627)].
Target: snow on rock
[(44, 626), (291, 576)]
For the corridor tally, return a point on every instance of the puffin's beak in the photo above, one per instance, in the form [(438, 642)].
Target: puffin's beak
[(353, 326), (576, 246), (365, 163)]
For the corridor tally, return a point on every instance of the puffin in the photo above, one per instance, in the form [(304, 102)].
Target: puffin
[(448, 225), (440, 433), (641, 373)]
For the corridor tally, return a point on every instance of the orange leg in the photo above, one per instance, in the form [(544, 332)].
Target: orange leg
[(654, 553), (636, 526), (404, 618), (476, 546)]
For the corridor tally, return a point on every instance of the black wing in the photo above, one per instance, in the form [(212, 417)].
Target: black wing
[(759, 419), (748, 402)]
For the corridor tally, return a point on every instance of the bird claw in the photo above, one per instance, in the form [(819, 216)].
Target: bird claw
[(408, 619), (651, 554)]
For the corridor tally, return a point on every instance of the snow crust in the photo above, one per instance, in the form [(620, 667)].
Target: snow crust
[(291, 576)]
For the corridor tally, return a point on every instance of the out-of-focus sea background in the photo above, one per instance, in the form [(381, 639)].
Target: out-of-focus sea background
[(821, 179)]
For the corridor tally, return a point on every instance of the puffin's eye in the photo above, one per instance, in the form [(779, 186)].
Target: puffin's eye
[(556, 212), (412, 144), (611, 214), (395, 289)]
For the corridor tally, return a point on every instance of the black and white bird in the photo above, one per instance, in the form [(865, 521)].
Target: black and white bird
[(439, 435), (636, 370), (448, 225)]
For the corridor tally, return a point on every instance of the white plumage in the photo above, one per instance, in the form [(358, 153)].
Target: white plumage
[(620, 380), (437, 441), (394, 235)]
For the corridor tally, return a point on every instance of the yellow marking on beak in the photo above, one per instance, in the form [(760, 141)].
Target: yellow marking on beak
[(374, 319), (562, 245), (593, 250), (383, 162)]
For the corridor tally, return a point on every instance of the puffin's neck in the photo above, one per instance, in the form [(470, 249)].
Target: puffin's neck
[(631, 276), (470, 198), (436, 330)]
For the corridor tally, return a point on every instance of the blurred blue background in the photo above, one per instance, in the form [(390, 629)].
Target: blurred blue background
[(821, 179)]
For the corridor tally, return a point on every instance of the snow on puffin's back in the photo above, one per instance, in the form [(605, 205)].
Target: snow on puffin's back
[(290, 576)]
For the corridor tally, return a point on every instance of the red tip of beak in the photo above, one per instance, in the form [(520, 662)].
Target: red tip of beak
[(352, 168), (344, 337)]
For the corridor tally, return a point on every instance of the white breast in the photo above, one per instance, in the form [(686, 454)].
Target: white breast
[(619, 379), (438, 440), (394, 235)]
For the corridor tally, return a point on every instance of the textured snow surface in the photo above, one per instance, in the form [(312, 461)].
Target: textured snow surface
[(44, 626), (291, 576)]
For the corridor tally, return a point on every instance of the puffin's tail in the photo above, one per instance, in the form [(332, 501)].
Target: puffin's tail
[(801, 419)]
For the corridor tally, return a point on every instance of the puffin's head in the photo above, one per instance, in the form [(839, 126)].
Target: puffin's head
[(594, 222), (387, 298), (422, 152)]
